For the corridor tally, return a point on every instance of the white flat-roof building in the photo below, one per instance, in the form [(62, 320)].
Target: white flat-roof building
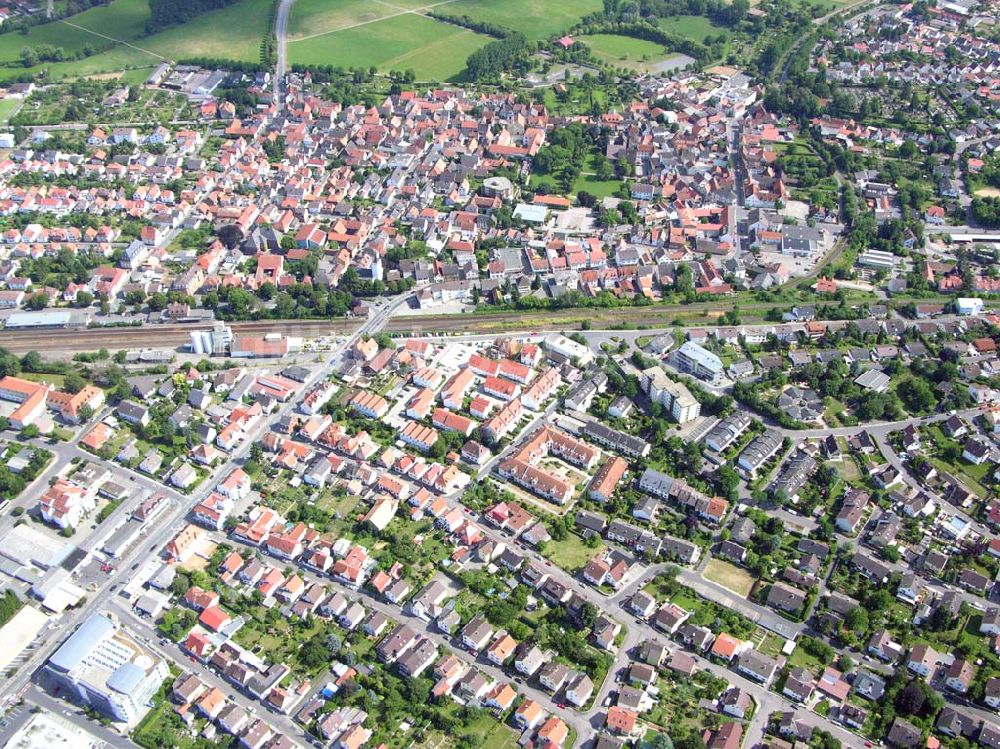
[(108, 669), (699, 361), (969, 306), (563, 346)]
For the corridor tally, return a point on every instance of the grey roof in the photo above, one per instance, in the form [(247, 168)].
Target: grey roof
[(80, 643), (126, 678)]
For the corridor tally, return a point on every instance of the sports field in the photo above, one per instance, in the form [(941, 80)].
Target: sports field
[(624, 51), (536, 19), (432, 49)]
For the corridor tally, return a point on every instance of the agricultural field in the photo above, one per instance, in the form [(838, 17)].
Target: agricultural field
[(432, 49), (122, 20), (695, 28), (234, 32), (536, 19), (620, 51), (311, 17)]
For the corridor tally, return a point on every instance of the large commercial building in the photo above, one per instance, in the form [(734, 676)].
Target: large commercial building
[(700, 362), (108, 669)]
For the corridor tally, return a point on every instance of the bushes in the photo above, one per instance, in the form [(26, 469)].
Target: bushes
[(986, 211)]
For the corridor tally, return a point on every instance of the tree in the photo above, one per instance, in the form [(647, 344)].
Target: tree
[(658, 741), (31, 431), (74, 382), (230, 235), (588, 615), (32, 362), (911, 699), (605, 171), (690, 740), (158, 301), (857, 619), (313, 653), (37, 301)]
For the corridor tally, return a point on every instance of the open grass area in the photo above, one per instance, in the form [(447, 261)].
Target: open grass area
[(729, 576), (536, 19), (571, 553), (435, 51), (848, 469), (691, 27), (626, 51)]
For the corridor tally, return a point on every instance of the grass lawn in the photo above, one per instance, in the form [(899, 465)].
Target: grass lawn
[(495, 736), (771, 644), (432, 49), (343, 506), (597, 188), (8, 107), (691, 27), (536, 19), (810, 663), (52, 379), (122, 19), (729, 576), (972, 475), (847, 468), (834, 410), (571, 553), (625, 50)]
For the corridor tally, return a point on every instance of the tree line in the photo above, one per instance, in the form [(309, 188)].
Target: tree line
[(473, 24)]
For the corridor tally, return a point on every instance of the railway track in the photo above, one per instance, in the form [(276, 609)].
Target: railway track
[(176, 335)]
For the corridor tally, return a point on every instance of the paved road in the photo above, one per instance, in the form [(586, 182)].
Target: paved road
[(37, 699), (281, 40), (167, 525)]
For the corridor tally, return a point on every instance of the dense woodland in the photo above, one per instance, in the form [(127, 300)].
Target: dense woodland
[(165, 13)]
